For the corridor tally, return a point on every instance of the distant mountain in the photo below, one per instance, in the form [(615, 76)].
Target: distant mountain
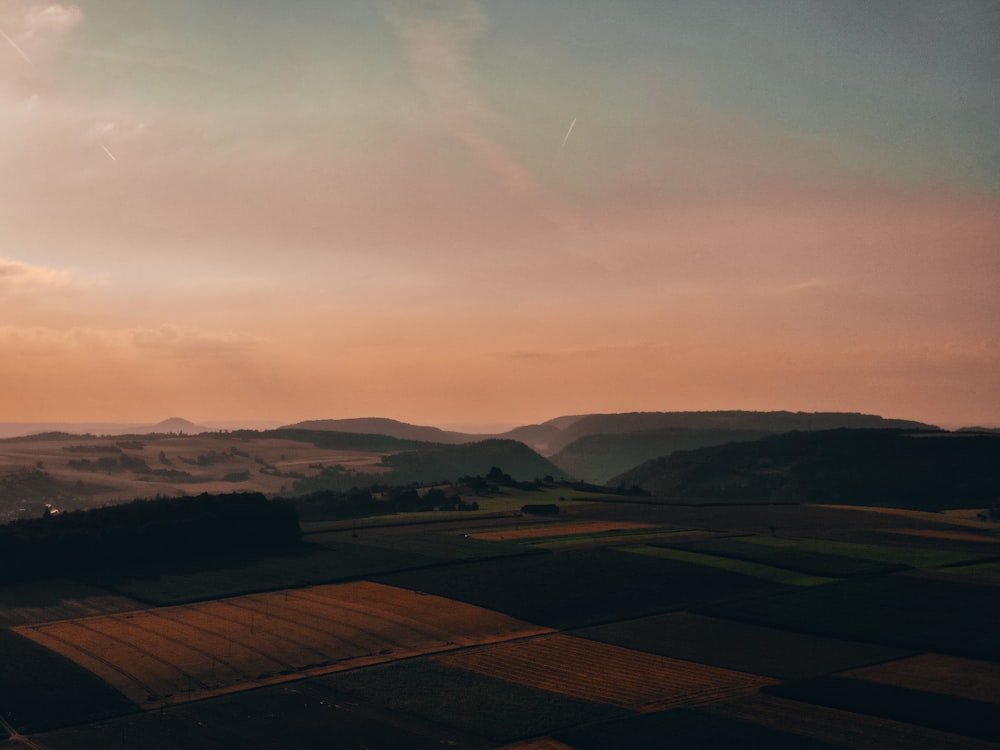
[(382, 426), (928, 470), (174, 424)]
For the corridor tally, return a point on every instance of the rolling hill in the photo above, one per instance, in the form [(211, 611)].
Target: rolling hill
[(922, 470)]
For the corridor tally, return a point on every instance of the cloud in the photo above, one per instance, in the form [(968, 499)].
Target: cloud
[(166, 341), (16, 276), (27, 28), (50, 17), (438, 37)]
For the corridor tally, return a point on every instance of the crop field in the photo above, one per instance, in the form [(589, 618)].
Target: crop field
[(542, 531), (963, 678), (603, 673), (308, 565), (592, 585), (739, 646), (40, 689), (683, 729), (945, 713), (904, 610), (791, 558), (911, 557), (492, 708), (27, 603), (987, 573), (744, 567), (302, 715), (175, 654), (623, 540), (961, 536), (447, 547), (841, 728)]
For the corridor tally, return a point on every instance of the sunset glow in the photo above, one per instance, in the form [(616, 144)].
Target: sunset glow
[(497, 211)]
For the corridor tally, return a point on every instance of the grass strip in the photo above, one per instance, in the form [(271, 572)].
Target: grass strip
[(757, 570)]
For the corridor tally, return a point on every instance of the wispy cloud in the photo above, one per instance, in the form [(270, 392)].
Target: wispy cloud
[(438, 38), (17, 276), (25, 26)]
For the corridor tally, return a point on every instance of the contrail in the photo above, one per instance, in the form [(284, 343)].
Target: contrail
[(17, 49), (566, 137), (108, 152)]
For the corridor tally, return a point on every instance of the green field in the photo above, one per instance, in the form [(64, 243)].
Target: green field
[(756, 570), (911, 557), (791, 558)]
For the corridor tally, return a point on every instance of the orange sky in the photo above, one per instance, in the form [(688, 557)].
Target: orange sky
[(368, 211)]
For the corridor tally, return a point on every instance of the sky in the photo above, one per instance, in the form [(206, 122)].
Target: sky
[(498, 211)]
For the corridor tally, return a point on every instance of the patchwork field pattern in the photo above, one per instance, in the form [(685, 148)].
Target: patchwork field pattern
[(603, 673), (176, 654)]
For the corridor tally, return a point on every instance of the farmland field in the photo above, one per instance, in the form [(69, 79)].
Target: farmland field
[(743, 567), (911, 557), (739, 646), (26, 603), (686, 729), (604, 673), (963, 678), (790, 557), (40, 689), (905, 610), (593, 585), (945, 713), (303, 716), (541, 531), (496, 709), (176, 654), (842, 728), (307, 565)]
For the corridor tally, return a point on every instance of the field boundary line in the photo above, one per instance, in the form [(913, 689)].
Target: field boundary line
[(95, 657)]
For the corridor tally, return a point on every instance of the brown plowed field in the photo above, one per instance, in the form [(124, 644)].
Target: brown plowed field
[(964, 678), (843, 728), (541, 530), (175, 654), (606, 674)]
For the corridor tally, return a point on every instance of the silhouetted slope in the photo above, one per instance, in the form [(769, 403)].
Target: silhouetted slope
[(868, 467), (382, 426), (597, 458), (347, 441), (471, 459), (764, 421)]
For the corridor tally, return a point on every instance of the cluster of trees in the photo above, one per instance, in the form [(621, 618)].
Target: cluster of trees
[(143, 532), (325, 505)]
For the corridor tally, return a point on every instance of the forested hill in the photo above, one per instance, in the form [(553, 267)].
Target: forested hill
[(924, 470), (773, 422)]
